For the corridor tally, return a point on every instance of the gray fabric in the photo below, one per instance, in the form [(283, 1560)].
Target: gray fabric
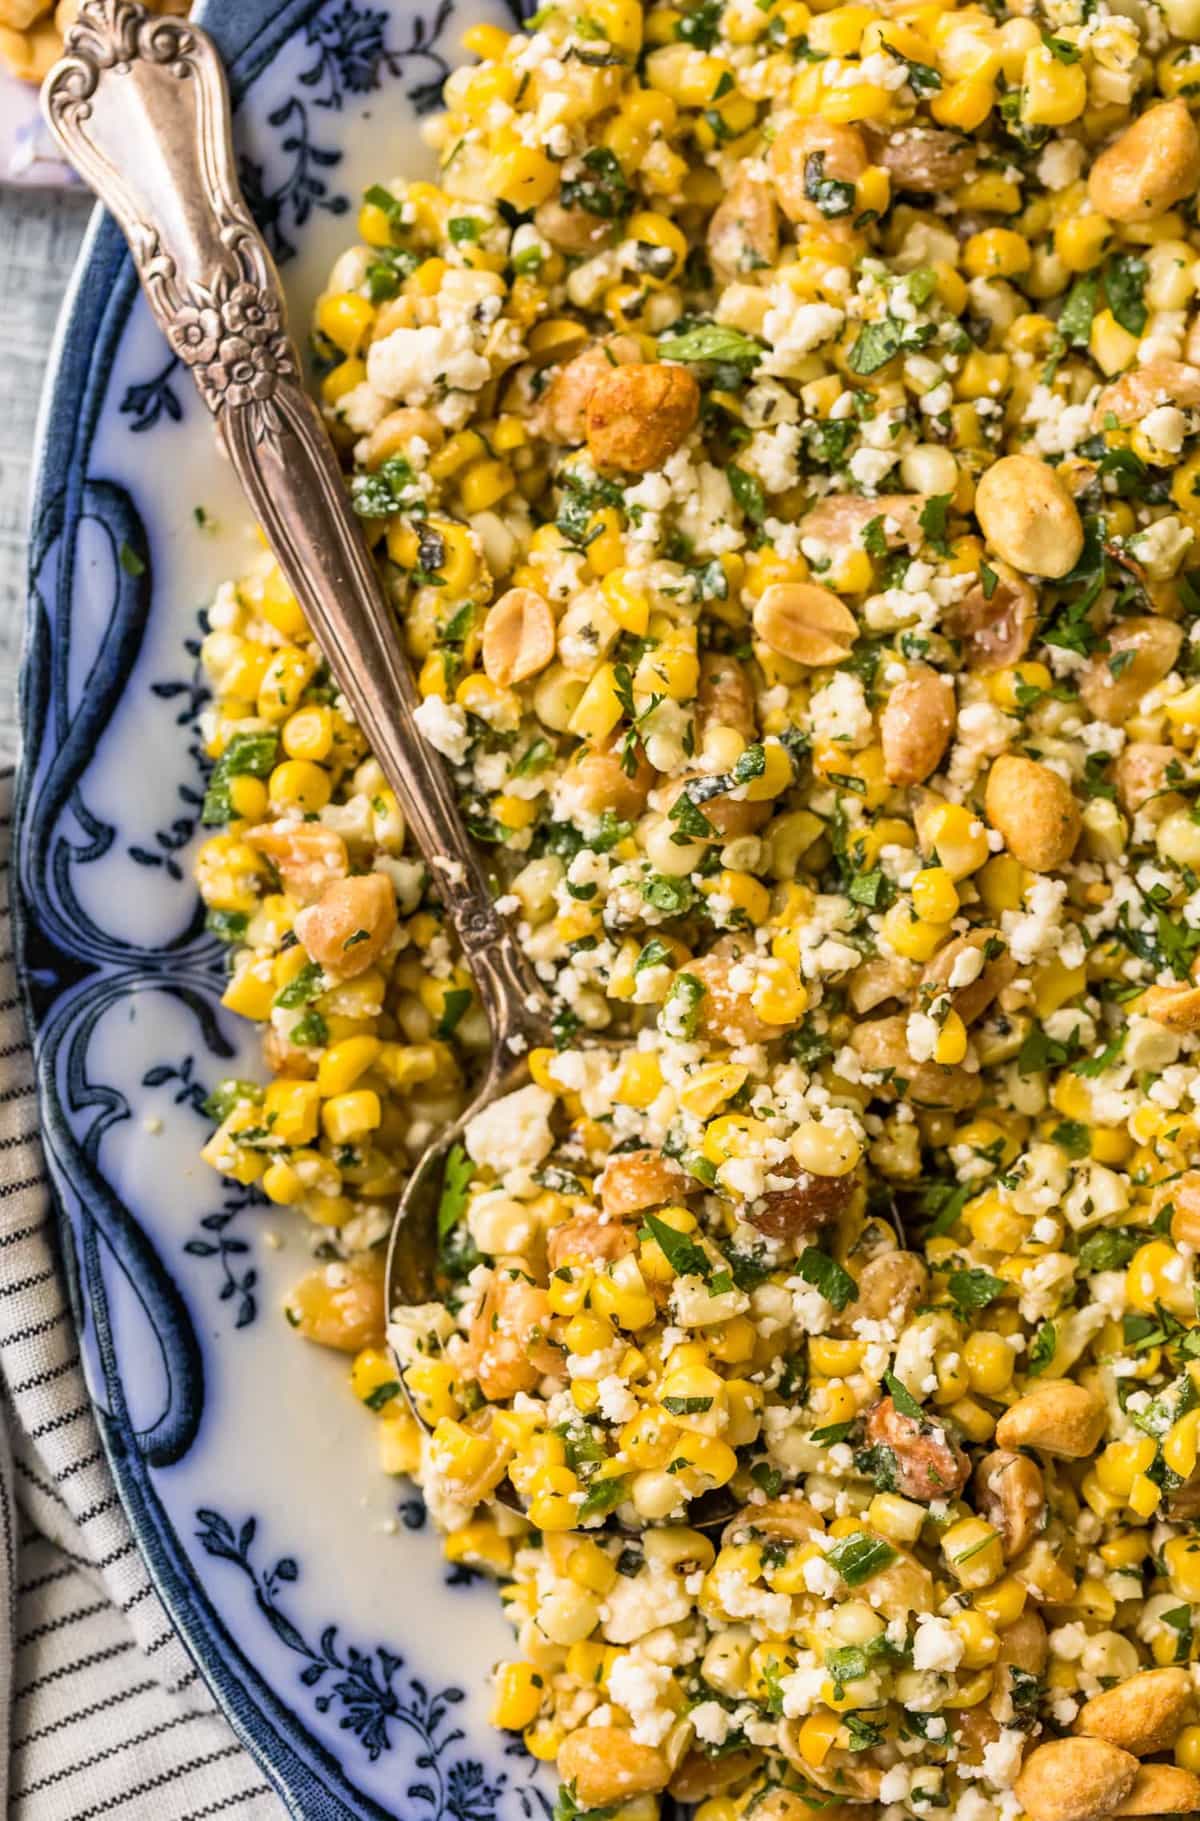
[(105, 1713)]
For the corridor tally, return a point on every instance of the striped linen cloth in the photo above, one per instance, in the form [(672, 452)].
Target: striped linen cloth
[(107, 1713)]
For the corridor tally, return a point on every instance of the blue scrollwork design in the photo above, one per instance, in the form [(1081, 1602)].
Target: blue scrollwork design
[(353, 55), (369, 1687), (193, 694)]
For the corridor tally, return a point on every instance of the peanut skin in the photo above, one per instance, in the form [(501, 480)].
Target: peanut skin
[(1028, 517), (1154, 164), (1075, 1780), (1143, 1714), (640, 414), (916, 726), (1034, 810)]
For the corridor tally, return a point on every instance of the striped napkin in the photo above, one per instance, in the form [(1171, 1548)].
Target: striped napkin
[(106, 1711)]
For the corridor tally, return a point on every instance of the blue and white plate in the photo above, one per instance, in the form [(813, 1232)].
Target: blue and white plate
[(309, 1588)]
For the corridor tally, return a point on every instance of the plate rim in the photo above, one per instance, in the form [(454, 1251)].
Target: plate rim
[(99, 297)]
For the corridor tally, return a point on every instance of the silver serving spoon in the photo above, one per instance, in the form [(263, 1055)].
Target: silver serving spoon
[(140, 106)]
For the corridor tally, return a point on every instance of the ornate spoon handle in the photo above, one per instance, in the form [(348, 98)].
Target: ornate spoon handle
[(140, 106)]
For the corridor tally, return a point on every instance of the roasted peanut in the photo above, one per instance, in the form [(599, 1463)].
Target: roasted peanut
[(639, 415), (890, 1289), (307, 857), (1074, 1780), (813, 150), (1028, 517), (700, 1776), (518, 637), (572, 230), (882, 1046), (994, 624), (928, 1464), (340, 1305), (1011, 1494), (1151, 166), (916, 725), (1034, 810), (881, 978), (606, 1765), (743, 234), (588, 1239), (1175, 1007), (1057, 1418), (841, 517), (351, 924), (1162, 1789), (393, 434), (805, 623), (1141, 775), (811, 1203), (972, 998), (724, 696), (922, 158), (596, 780), (1139, 654), (634, 1180), (561, 415), (1184, 1195), (792, 1519), (1143, 1714), (1136, 393), (1025, 1644), (509, 1350), (725, 1014)]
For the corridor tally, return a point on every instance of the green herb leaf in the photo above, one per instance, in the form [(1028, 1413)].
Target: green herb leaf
[(1042, 1351), (602, 1496), (876, 344), (859, 1557), (455, 1179), (1124, 285), (975, 1289), (825, 1274), (684, 1256), (250, 755), (712, 341), (903, 1399), (748, 493)]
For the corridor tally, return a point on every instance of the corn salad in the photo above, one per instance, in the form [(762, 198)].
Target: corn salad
[(779, 429)]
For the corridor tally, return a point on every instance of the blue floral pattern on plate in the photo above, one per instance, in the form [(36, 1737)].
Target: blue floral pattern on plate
[(309, 1588)]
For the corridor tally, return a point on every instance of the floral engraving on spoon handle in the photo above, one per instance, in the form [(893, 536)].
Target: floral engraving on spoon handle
[(140, 106)]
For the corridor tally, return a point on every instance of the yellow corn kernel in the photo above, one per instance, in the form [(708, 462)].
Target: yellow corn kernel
[(711, 1087), (1052, 93), (519, 1688), (934, 897), (991, 192), (1144, 1499), (486, 483), (343, 1063), (627, 603), (989, 1362), (290, 1111), (299, 784), (1082, 241), (599, 707), (983, 375), (1002, 1603), (284, 681), (373, 1377), (1179, 1446), (910, 936), (981, 1642), (641, 1080), (351, 1116), (343, 379), (248, 798), (522, 175), (308, 734), (996, 253), (957, 837), (964, 104), (345, 319), (251, 992), (1187, 1748), (1112, 347), (817, 1737)]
